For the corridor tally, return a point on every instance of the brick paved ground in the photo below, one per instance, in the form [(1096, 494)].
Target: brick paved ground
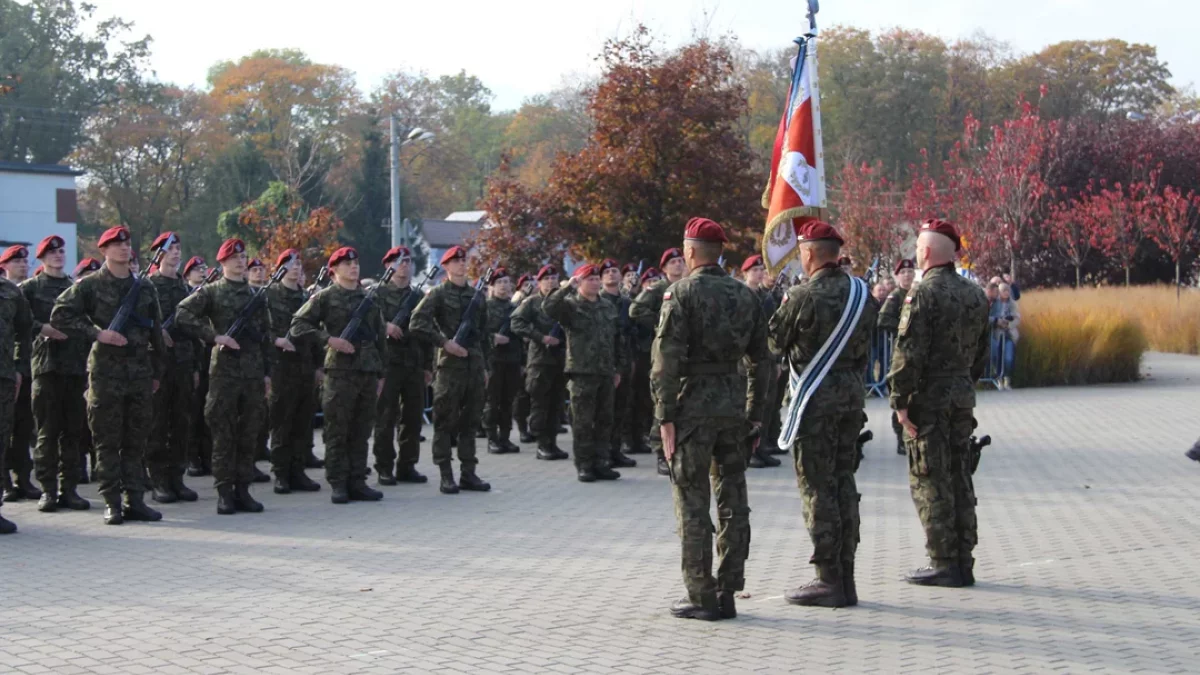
[(1089, 561)]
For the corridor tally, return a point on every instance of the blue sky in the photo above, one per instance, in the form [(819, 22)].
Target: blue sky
[(523, 47)]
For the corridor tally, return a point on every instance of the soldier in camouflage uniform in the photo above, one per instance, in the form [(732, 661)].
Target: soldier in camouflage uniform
[(123, 372), (15, 263), (401, 408), (595, 358), (526, 286), (294, 373), (753, 272), (166, 453), (59, 380), (504, 365), (889, 322), (544, 377), (16, 327), (87, 450), (256, 276), (645, 312), (942, 349), (238, 380), (354, 371), (200, 444), (610, 278), (825, 450), (458, 385), (709, 322)]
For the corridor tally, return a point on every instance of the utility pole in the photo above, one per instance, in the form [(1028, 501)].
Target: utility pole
[(398, 236)]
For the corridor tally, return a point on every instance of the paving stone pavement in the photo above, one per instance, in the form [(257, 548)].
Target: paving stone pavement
[(1089, 561)]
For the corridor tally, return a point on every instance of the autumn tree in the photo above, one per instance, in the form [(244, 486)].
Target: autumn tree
[(873, 226), (1076, 228), (1173, 216), (523, 235), (278, 220)]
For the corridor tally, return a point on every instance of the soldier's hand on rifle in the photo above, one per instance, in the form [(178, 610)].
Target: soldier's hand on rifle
[(455, 349), (227, 342), (340, 345), (167, 339), (499, 339), (394, 331), (285, 344), (550, 341), (112, 338), (52, 333)]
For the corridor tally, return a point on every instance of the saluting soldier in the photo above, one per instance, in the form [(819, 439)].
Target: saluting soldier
[(16, 328), (805, 330), (123, 373), (200, 445), (629, 280), (753, 271), (458, 385), (504, 365), (238, 379), (545, 379), (354, 371), (710, 321), (401, 408), (595, 358), (610, 278), (889, 321), (526, 286), (942, 349), (15, 263)]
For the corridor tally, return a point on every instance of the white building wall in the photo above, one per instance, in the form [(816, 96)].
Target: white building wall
[(28, 211)]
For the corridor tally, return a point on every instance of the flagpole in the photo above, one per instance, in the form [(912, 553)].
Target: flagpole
[(814, 86)]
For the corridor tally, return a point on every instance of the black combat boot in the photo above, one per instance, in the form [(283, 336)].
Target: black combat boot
[(726, 607), (226, 506), (620, 461), (163, 494), (605, 473), (448, 486), (705, 611), (361, 492), (586, 474), (664, 469), (260, 476), (503, 440), (524, 436), (547, 453), (11, 493), (314, 462), (48, 502), (755, 461), (302, 483), (825, 591), (7, 526), (939, 573), (1194, 453), (185, 493), (386, 477), (113, 513), (848, 587), (966, 565), (407, 473), (242, 501), (136, 509), (340, 493), (493, 444), (27, 488), (283, 484), (70, 499), (472, 483)]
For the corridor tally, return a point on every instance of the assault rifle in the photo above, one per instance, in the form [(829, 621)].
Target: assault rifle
[(350, 332), (410, 303), (125, 312), (872, 274), (208, 279), (322, 279), (466, 328), (240, 323)]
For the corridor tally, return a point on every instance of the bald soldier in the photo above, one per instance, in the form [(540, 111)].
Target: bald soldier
[(889, 321), (709, 322), (824, 329), (644, 311), (942, 349)]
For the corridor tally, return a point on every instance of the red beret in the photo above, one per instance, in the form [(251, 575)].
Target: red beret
[(628, 267), (498, 274), (815, 230), (524, 278), (286, 257), (547, 270), (943, 228), (15, 252), (343, 253), (51, 243), (669, 255), (86, 265), (904, 264), (650, 275), (752, 261), (162, 239), (230, 248), (703, 229), (255, 262), (585, 271), (118, 233), (454, 253), (193, 261), (609, 264), (396, 252)]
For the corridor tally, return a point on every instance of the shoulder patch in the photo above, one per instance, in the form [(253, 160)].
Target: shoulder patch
[(908, 299), (667, 295)]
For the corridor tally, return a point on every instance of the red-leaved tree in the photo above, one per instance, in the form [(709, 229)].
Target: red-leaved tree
[(1076, 228), (871, 224), (1172, 223)]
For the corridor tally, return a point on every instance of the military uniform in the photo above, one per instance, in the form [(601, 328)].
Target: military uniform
[(709, 322), (545, 379), (825, 450), (504, 376), (942, 348), (645, 311), (16, 324), (623, 434), (293, 395), (401, 408), (760, 456), (595, 354), (889, 323), (166, 453)]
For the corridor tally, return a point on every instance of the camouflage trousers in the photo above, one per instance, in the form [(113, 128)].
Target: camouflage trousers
[(234, 410), (166, 452), (940, 480), (547, 390), (293, 402), (773, 415), (504, 381), (622, 404), (348, 401), (826, 456), (61, 415), (591, 419), (20, 461), (399, 413), (641, 406), (8, 396), (457, 406), (708, 451), (120, 414)]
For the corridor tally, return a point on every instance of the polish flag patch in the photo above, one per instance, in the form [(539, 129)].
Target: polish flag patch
[(667, 295)]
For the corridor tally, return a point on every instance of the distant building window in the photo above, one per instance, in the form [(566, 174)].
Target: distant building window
[(66, 207)]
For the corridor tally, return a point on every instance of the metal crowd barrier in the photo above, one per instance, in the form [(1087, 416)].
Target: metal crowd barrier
[(995, 373), (879, 362)]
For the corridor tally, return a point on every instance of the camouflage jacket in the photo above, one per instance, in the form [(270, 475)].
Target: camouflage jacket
[(532, 323), (593, 334), (327, 313), (283, 303), (88, 307), (171, 292), (644, 311), (438, 317), (804, 322), (889, 316), (942, 343), (409, 352), (625, 328), (16, 328), (498, 312), (67, 357), (709, 322), (211, 310)]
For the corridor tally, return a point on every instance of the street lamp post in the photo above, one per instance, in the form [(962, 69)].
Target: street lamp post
[(399, 232)]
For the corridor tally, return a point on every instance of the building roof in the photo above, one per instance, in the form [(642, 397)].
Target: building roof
[(54, 169), (447, 233), (467, 216)]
